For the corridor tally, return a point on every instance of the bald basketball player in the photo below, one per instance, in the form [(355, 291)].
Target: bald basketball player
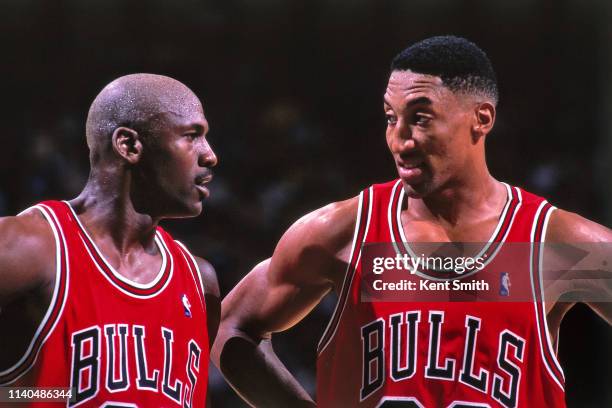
[(440, 104), (95, 296)]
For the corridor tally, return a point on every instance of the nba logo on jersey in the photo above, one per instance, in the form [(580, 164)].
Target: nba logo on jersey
[(186, 305), (504, 287)]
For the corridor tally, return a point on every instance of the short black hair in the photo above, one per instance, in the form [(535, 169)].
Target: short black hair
[(461, 64)]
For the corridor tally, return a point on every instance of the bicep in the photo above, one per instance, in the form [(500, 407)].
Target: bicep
[(306, 264), (578, 261), (27, 255), (268, 300)]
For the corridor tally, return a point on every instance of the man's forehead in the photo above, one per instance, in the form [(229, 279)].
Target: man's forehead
[(185, 117), (178, 118), (408, 78), (408, 84), (182, 101)]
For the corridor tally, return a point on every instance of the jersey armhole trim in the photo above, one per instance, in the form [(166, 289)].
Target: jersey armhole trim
[(362, 223), (194, 269), (56, 305), (538, 234)]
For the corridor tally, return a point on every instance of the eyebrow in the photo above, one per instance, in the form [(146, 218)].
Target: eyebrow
[(421, 100), (198, 127)]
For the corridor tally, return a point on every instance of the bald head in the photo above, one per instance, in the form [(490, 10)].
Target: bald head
[(141, 102)]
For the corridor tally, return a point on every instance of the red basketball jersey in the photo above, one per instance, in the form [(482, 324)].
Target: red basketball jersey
[(114, 341), (440, 354)]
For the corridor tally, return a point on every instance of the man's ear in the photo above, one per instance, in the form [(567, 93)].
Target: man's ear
[(484, 114), (126, 143)]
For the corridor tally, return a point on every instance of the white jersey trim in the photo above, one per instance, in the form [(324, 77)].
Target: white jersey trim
[(535, 275), (122, 278), (500, 223), (390, 215), (349, 274), (197, 270), (162, 248), (552, 349), (57, 234)]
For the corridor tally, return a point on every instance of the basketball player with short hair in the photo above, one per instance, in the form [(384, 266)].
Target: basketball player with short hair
[(440, 104), (94, 294)]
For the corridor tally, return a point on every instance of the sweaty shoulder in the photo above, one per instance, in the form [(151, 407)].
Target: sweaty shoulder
[(209, 276), (565, 226), (212, 297), (330, 225), (27, 254), (319, 241)]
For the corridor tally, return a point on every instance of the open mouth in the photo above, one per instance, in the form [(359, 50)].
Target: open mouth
[(202, 191), (203, 179), (200, 184), (410, 171)]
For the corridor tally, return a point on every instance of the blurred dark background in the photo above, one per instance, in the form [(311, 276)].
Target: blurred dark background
[(293, 93)]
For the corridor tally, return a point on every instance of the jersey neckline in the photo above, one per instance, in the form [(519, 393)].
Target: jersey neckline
[(488, 251), (121, 282)]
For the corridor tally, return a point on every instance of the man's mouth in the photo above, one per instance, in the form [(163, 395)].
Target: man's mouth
[(200, 184), (410, 171), (204, 178), (202, 191)]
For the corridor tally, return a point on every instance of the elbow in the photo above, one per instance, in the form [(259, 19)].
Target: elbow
[(224, 333), (232, 343)]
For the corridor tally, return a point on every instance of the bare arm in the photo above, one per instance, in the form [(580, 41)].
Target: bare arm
[(27, 255), (308, 261), (575, 231), (27, 277)]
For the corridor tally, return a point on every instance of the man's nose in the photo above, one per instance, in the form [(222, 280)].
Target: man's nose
[(401, 138), (207, 157)]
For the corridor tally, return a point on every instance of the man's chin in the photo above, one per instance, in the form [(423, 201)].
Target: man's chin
[(419, 190), (188, 210), (196, 209)]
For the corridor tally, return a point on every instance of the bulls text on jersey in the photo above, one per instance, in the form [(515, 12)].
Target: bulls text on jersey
[(89, 344), (401, 364)]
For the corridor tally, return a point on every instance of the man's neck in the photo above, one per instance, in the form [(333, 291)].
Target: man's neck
[(108, 214), (462, 201)]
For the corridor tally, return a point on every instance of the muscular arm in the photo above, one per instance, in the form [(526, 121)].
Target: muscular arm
[(27, 255), (572, 230), (308, 261), (27, 277)]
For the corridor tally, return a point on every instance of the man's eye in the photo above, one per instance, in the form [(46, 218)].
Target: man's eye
[(391, 120), (422, 120)]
